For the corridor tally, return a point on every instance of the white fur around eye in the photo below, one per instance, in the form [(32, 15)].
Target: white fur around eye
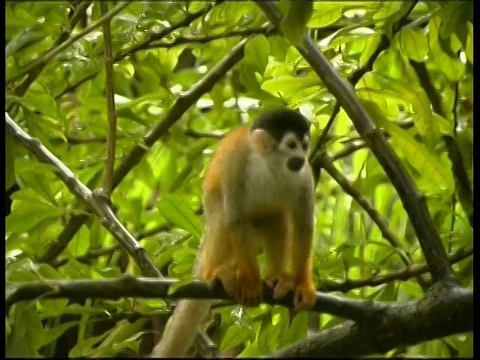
[(290, 143)]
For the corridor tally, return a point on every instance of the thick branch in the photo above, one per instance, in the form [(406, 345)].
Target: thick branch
[(127, 286), (412, 200), (441, 313), (379, 327)]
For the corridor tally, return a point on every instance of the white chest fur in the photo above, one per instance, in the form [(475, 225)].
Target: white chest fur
[(270, 185)]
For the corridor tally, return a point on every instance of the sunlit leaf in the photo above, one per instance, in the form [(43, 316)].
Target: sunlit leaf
[(177, 212), (294, 22)]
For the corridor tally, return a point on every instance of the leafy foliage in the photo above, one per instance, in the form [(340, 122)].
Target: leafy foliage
[(410, 67)]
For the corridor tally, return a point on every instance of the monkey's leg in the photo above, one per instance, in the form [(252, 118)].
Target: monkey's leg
[(302, 261), (274, 230), (248, 286), (216, 259)]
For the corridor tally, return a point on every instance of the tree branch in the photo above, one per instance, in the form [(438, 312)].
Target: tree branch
[(404, 274), (94, 200), (387, 234), (462, 182), (441, 313), (354, 78), (412, 200), (20, 90), (45, 58), (180, 40), (378, 327), (189, 18), (127, 286), (111, 113)]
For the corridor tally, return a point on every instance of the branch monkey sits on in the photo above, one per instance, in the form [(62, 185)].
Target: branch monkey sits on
[(258, 194)]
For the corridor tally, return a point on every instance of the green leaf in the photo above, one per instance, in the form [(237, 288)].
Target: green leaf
[(164, 166), (87, 346), (9, 160), (235, 335), (28, 333), (414, 43), (326, 14), (257, 52), (424, 161), (52, 334), (25, 217), (24, 39), (294, 23), (299, 328), (469, 44), (177, 212), (371, 46), (416, 96), (287, 86), (454, 15)]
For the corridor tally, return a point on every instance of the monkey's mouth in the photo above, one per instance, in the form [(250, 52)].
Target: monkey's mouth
[(295, 163)]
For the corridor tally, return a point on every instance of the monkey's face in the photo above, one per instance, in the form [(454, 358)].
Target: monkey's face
[(295, 150), (282, 137)]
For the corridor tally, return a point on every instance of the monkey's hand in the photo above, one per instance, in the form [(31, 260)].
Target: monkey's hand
[(304, 297), (245, 287), (280, 284)]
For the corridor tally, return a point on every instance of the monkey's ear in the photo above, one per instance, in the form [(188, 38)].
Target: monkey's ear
[(261, 141)]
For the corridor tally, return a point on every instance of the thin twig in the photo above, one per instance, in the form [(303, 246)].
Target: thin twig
[(111, 113), (366, 205), (20, 90), (45, 58), (201, 135), (140, 46), (180, 40), (404, 274)]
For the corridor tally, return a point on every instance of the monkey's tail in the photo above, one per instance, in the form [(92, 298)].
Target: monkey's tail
[(181, 331)]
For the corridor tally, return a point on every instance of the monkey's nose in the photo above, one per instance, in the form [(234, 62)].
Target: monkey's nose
[(295, 163)]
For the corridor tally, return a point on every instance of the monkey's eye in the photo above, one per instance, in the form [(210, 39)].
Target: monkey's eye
[(292, 145), (305, 145)]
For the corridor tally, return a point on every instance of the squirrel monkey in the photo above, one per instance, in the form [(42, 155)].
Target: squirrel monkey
[(258, 194)]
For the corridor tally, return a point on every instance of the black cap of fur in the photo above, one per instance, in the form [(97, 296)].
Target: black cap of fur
[(278, 122)]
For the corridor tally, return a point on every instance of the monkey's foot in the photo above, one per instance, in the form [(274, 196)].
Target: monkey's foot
[(245, 289), (225, 274), (304, 297), (280, 284), (248, 290)]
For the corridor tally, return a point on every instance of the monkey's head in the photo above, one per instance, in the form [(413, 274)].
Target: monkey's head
[(283, 133)]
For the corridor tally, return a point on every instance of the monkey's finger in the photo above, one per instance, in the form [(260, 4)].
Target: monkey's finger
[(271, 282), (282, 288)]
